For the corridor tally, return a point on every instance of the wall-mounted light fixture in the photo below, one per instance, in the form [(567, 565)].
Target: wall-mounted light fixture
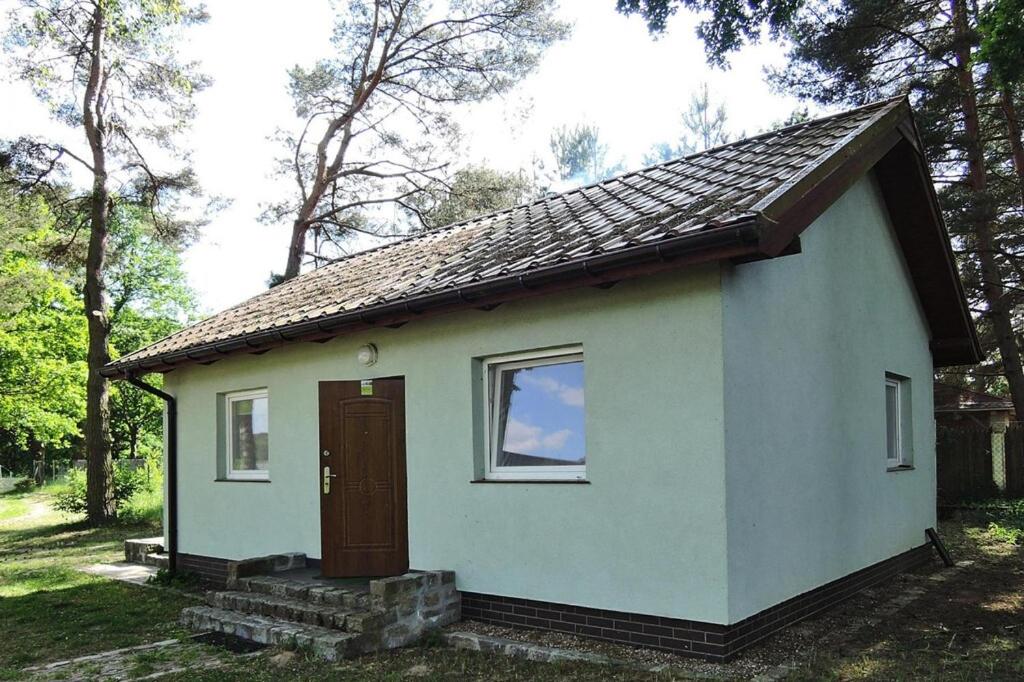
[(367, 354)]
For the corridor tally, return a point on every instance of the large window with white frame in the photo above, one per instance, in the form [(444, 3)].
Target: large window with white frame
[(247, 429), (897, 422), (535, 416)]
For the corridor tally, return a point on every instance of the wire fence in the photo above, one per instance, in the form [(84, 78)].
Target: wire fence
[(43, 471), (979, 463)]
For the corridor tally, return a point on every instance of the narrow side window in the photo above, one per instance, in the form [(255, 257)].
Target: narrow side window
[(897, 422), (247, 431)]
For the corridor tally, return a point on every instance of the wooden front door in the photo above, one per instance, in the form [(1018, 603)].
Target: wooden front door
[(363, 523)]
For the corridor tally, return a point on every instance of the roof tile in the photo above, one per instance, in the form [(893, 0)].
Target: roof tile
[(644, 206)]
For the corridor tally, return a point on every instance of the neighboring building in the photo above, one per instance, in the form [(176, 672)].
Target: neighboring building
[(972, 440), (679, 408), (960, 407)]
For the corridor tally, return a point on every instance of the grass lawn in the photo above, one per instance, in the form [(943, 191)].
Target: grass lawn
[(966, 624), (49, 610)]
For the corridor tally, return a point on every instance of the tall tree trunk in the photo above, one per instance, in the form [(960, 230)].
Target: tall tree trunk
[(133, 442), (992, 283), (100, 470), (1013, 131), (296, 248)]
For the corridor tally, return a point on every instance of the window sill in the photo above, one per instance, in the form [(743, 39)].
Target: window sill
[(545, 481), (902, 467), (241, 480)]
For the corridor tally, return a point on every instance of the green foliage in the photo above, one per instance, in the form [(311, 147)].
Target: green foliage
[(726, 25), (144, 106), (477, 190), (850, 52), (580, 156), (1001, 24), (1007, 520), (376, 116), (703, 127), (182, 580), (71, 498), (25, 485), (42, 356)]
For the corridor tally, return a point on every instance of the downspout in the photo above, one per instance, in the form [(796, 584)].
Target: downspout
[(172, 468)]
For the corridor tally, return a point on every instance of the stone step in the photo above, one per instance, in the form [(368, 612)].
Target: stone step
[(158, 559), (324, 642), (136, 549), (302, 590), (334, 615)]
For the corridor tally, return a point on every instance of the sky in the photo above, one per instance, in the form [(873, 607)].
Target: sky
[(609, 73), (545, 418)]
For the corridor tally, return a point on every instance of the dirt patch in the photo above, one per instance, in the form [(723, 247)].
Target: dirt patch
[(969, 626)]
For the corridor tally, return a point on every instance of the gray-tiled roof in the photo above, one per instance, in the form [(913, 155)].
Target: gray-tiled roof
[(662, 202)]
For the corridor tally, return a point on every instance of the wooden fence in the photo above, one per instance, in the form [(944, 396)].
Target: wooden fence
[(977, 463)]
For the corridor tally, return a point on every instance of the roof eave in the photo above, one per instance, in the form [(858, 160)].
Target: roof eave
[(889, 144), (741, 238)]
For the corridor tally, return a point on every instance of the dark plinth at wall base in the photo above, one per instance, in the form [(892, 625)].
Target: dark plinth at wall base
[(210, 570), (710, 641), (217, 572)]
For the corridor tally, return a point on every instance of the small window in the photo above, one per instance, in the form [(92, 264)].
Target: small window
[(535, 424), (897, 432), (247, 431)]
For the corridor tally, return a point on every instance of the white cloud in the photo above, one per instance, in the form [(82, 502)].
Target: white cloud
[(527, 439), (569, 395), (556, 440)]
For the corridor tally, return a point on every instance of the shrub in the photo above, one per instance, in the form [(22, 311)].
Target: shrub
[(72, 498), (25, 485), (1007, 522), (183, 580)]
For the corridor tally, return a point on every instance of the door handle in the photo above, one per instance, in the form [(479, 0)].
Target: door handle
[(327, 479)]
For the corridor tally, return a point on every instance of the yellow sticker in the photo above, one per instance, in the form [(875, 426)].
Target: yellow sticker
[(366, 387)]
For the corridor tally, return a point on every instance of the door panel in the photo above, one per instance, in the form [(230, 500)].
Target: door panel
[(363, 513)]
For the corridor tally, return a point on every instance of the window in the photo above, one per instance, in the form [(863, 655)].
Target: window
[(897, 429), (535, 426), (247, 453)]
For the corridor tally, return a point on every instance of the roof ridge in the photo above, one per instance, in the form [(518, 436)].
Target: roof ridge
[(485, 216)]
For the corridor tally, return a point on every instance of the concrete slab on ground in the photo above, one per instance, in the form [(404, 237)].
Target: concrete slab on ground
[(123, 571)]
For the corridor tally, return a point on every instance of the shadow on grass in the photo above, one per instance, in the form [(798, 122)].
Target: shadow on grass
[(50, 610), (94, 616)]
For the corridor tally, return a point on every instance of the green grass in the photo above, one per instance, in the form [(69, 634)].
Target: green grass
[(51, 611), (12, 505), (146, 507), (968, 627)]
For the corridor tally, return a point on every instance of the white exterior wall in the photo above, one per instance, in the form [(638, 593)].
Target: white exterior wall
[(647, 534), (808, 340)]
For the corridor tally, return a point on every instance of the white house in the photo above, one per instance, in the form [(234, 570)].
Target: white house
[(681, 408)]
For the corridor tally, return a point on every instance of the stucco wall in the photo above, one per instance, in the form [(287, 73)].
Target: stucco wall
[(808, 340), (646, 535)]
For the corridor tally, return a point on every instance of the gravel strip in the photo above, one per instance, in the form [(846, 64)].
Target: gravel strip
[(770, 659)]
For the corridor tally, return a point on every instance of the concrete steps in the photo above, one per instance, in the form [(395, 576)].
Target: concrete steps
[(292, 588), (146, 551), (328, 615), (332, 618), (327, 643)]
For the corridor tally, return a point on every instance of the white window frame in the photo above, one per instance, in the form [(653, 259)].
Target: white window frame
[(492, 371), (244, 474), (900, 461)]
